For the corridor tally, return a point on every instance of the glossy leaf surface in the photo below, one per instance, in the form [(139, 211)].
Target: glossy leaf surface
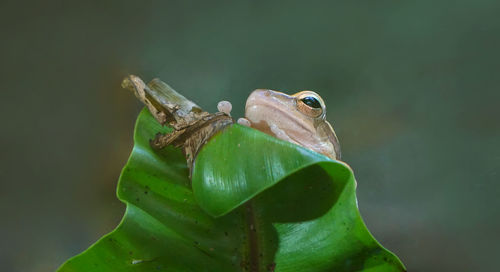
[(255, 204)]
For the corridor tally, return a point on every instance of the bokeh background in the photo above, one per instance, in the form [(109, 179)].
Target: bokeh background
[(412, 88)]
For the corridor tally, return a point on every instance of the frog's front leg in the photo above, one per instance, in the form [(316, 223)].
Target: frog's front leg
[(225, 107)]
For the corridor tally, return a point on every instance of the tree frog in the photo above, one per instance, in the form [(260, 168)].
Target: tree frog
[(299, 118)]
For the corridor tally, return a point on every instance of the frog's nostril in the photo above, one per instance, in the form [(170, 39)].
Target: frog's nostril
[(260, 93)]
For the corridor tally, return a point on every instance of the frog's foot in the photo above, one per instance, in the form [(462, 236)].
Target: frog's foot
[(244, 122), (225, 107)]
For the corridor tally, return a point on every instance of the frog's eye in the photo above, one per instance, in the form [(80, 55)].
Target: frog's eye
[(310, 104), (311, 101)]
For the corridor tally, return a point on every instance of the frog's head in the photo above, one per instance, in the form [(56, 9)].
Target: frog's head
[(299, 118)]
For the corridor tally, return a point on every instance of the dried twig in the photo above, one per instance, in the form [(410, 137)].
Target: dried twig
[(192, 126)]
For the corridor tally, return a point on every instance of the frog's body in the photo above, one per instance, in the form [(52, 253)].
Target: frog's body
[(299, 118)]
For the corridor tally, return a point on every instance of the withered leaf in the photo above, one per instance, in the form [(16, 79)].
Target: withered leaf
[(192, 126)]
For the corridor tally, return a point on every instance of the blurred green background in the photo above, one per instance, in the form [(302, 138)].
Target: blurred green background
[(412, 88)]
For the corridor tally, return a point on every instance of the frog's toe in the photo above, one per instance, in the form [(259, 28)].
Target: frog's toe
[(225, 107), (244, 122)]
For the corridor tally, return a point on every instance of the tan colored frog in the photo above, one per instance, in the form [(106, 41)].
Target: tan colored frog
[(299, 118)]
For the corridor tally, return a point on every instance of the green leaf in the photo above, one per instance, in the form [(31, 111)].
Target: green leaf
[(256, 204)]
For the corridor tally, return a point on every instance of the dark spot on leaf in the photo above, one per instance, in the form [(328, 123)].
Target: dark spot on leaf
[(145, 192), (244, 265), (225, 233), (137, 199)]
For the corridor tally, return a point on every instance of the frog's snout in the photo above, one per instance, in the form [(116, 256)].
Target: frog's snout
[(256, 96)]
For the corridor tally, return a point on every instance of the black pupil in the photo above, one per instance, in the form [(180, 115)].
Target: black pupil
[(311, 102)]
